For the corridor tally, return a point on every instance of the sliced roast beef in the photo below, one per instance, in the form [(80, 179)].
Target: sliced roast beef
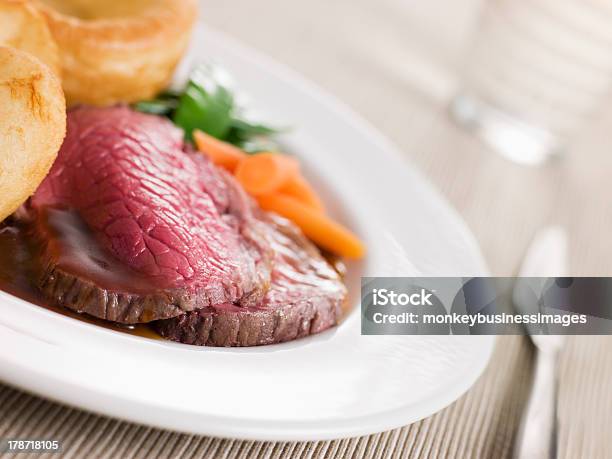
[(135, 228), (306, 296)]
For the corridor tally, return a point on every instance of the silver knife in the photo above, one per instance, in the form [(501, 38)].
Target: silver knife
[(547, 256)]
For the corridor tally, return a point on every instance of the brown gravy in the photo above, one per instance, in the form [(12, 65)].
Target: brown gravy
[(18, 271), (75, 250), (19, 261)]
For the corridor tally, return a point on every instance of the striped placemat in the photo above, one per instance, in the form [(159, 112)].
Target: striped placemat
[(482, 423)]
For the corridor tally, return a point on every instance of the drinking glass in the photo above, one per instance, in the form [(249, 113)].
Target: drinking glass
[(537, 71)]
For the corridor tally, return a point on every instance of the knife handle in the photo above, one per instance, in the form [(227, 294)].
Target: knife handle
[(537, 433)]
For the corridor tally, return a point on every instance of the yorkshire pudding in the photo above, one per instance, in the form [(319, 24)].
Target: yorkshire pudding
[(120, 51), (32, 125), (23, 27)]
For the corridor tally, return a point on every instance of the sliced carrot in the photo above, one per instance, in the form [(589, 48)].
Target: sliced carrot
[(300, 189), (264, 173), (220, 153), (320, 229)]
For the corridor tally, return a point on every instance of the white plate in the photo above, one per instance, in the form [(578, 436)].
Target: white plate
[(336, 384)]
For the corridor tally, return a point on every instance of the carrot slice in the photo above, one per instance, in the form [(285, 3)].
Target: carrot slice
[(265, 173), (220, 153), (320, 229), (300, 189)]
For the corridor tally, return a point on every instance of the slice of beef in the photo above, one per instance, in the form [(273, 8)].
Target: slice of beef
[(135, 227), (306, 297)]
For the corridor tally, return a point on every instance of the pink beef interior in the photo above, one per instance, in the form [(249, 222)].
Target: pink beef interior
[(166, 213)]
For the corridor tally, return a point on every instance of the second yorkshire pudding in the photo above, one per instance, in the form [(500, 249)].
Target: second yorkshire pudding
[(118, 51)]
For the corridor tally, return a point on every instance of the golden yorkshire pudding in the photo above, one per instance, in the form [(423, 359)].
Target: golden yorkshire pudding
[(23, 27), (32, 125), (119, 51)]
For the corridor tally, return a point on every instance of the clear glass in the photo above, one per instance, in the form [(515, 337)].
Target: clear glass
[(537, 70)]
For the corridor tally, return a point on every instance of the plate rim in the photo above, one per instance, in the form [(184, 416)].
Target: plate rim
[(224, 426), (246, 429)]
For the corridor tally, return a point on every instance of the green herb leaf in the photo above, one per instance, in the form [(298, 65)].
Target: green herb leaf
[(157, 106), (246, 129), (206, 104)]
